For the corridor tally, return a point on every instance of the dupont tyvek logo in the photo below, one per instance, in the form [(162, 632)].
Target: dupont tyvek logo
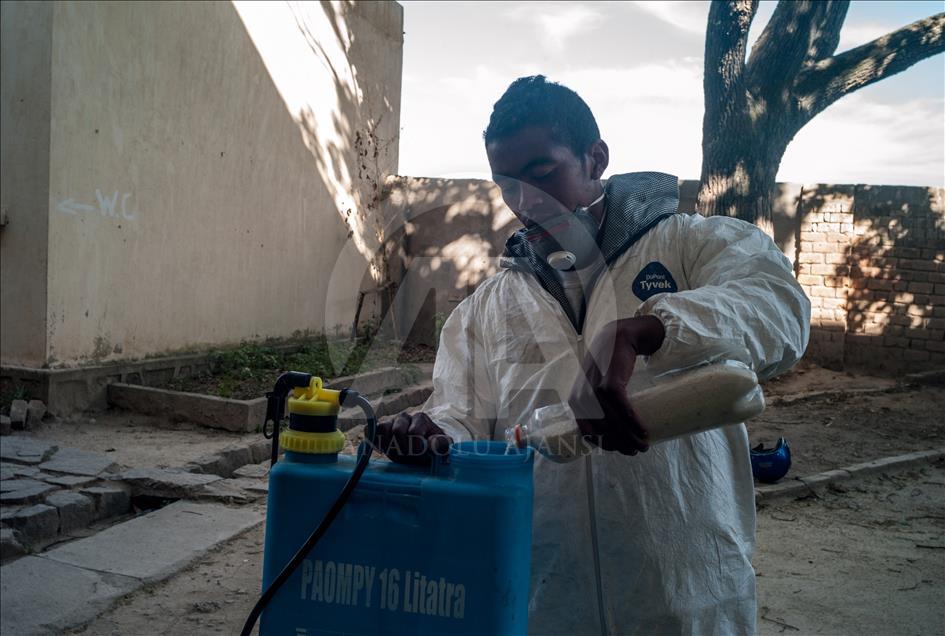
[(653, 279)]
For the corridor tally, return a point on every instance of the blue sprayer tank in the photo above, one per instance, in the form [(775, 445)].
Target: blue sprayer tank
[(438, 550)]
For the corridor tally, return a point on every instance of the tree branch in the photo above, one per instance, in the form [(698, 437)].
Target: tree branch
[(798, 33), (825, 42), (726, 38), (822, 83)]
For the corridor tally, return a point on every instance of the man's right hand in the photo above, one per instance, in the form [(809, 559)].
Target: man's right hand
[(599, 398), (412, 439)]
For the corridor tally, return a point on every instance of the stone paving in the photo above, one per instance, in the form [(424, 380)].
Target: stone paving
[(54, 494), (26, 450), (49, 492), (71, 584)]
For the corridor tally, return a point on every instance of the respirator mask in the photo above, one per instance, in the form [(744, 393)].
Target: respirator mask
[(567, 239)]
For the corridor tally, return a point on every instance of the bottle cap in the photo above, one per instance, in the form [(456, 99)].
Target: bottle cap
[(514, 437)]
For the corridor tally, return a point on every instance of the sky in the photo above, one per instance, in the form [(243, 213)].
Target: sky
[(638, 65)]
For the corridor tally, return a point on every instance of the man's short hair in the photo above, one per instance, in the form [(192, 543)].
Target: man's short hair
[(534, 101)]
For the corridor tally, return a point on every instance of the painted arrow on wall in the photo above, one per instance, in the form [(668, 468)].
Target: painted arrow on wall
[(70, 206), (110, 204)]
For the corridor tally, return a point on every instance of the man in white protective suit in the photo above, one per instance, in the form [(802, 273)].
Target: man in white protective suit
[(629, 539)]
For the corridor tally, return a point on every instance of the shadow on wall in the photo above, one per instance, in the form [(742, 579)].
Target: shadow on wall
[(872, 260), (332, 119), (447, 236), (331, 74), (358, 144), (896, 301)]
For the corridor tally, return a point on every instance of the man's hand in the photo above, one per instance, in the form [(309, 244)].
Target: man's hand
[(599, 397), (412, 439)]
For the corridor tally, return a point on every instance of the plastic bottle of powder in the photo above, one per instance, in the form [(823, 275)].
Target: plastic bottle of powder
[(681, 403)]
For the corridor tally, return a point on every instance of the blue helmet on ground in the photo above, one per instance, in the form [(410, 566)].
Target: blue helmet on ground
[(768, 465)]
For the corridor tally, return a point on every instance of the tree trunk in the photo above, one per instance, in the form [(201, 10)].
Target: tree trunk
[(738, 179), (743, 196), (755, 106)]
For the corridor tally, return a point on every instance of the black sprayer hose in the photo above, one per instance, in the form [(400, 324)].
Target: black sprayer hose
[(364, 455)]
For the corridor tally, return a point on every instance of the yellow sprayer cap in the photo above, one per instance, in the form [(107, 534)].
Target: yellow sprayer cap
[(314, 400), (314, 443)]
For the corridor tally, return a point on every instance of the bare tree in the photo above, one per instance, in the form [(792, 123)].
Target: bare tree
[(754, 107)]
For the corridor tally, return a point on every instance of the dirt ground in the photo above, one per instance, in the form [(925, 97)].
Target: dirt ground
[(213, 596), (139, 440), (864, 559), (833, 431)]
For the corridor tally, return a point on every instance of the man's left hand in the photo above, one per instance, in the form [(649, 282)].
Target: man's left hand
[(599, 398)]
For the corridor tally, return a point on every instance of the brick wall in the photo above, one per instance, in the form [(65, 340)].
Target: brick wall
[(872, 260), (825, 225)]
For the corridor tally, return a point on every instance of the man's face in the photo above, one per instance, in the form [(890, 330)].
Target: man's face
[(540, 177)]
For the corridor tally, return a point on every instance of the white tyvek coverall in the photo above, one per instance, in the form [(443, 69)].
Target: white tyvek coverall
[(660, 542)]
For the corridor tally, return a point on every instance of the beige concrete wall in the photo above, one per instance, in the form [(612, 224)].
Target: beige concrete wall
[(215, 171), (25, 46)]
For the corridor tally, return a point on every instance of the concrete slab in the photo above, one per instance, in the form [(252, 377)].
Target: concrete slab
[(225, 491), (896, 462), (110, 500), (222, 463), (73, 390), (261, 450), (9, 470), (169, 484), (781, 490), (256, 487), (9, 485), (67, 481), (155, 546), (18, 413), (35, 411), (241, 416), (26, 450), (254, 471), (75, 510), (378, 381), (23, 491), (824, 479), (7, 511), (10, 545), (806, 485), (47, 597), (79, 462), (34, 524)]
